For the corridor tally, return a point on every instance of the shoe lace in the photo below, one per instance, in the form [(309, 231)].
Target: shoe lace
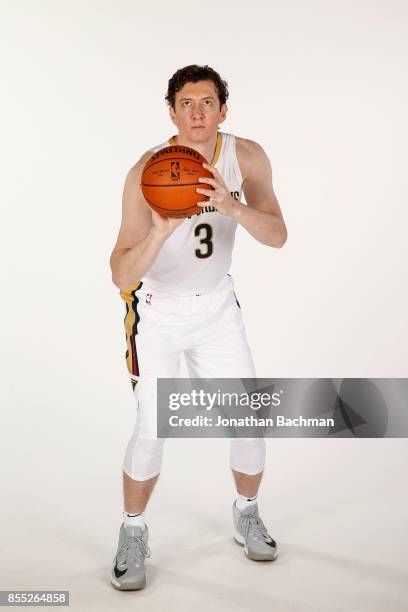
[(133, 550), (252, 522)]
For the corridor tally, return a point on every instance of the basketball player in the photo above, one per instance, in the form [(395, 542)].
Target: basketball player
[(179, 299)]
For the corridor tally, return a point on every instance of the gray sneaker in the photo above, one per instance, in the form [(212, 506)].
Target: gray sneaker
[(128, 572), (250, 532)]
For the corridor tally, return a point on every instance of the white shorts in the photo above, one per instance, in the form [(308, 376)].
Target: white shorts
[(208, 329)]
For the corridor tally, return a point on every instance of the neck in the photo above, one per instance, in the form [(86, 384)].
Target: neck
[(206, 147)]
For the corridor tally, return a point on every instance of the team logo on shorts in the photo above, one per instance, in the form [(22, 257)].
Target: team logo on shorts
[(175, 171), (134, 380), (149, 298)]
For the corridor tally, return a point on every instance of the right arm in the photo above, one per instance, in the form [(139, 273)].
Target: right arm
[(142, 232)]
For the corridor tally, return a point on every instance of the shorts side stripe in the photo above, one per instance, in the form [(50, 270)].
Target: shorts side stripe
[(131, 322)]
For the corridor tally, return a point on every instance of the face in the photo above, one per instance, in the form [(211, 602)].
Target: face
[(197, 111)]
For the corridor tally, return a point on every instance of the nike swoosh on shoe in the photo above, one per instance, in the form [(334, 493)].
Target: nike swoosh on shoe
[(118, 572)]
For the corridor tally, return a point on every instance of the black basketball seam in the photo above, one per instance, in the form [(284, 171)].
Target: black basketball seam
[(173, 185), (178, 209), (195, 161)]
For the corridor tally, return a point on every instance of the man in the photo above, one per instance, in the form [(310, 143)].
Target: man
[(179, 299)]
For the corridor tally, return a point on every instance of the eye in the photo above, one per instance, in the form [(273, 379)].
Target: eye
[(185, 103)]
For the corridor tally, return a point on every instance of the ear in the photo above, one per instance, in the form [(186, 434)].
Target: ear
[(172, 114), (223, 113)]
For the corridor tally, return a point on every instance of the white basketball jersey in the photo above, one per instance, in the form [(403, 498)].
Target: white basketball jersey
[(197, 255)]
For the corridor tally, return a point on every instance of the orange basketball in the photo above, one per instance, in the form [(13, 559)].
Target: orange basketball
[(170, 178)]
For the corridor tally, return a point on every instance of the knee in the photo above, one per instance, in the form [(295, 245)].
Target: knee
[(143, 457), (247, 455)]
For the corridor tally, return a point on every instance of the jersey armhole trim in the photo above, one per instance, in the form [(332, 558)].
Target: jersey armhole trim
[(237, 168)]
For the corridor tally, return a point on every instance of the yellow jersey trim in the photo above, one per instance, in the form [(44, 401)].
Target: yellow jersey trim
[(217, 151)]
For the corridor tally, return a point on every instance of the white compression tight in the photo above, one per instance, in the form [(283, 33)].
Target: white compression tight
[(143, 456)]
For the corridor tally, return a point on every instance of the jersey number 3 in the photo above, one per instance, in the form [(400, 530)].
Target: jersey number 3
[(205, 233)]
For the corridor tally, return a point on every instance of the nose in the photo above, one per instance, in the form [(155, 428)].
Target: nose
[(196, 111)]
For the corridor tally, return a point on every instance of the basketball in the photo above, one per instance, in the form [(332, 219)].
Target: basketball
[(170, 178)]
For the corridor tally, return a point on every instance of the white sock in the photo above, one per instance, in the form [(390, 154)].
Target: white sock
[(134, 519), (243, 501)]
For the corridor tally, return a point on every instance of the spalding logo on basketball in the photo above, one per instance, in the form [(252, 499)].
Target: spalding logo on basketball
[(170, 178)]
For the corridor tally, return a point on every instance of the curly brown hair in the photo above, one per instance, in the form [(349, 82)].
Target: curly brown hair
[(193, 74)]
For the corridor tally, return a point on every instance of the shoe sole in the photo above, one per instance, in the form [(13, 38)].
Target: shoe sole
[(128, 586), (240, 540)]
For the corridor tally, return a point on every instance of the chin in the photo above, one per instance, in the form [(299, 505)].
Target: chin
[(198, 135), (201, 135)]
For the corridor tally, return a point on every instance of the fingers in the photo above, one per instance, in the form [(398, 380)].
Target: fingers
[(213, 170), (207, 192), (208, 181), (156, 218)]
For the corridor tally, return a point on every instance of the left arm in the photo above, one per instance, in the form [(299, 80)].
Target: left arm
[(262, 217)]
